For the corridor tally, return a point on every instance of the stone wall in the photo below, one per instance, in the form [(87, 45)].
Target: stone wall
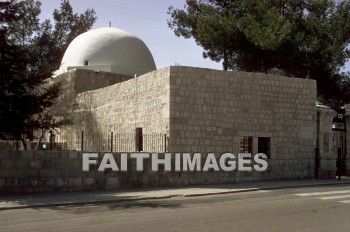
[(142, 102), (66, 107), (203, 110), (48, 171), (82, 80), (61, 171), (200, 110), (211, 111)]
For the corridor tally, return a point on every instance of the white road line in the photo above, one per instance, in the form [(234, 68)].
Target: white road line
[(322, 193), (346, 202), (334, 197)]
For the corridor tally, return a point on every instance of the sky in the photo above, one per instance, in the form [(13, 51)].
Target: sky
[(148, 21)]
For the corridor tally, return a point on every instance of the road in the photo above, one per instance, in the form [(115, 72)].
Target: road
[(296, 209)]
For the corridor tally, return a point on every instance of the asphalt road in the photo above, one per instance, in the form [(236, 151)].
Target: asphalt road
[(296, 209)]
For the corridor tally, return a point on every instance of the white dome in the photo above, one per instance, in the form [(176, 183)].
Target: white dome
[(108, 49)]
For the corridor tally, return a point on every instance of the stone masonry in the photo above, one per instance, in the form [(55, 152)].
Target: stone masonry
[(200, 111), (203, 110), (211, 111)]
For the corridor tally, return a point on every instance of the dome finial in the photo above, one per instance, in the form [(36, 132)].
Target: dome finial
[(110, 24)]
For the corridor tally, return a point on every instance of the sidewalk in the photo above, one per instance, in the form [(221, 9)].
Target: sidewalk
[(93, 197)]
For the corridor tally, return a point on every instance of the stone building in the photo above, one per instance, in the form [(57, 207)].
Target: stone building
[(117, 96)]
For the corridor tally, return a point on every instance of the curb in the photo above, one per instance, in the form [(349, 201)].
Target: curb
[(264, 188), (77, 203)]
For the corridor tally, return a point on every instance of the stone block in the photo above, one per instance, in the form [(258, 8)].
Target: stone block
[(75, 182), (35, 164), (60, 182), (2, 182), (33, 172), (72, 154), (21, 164), (7, 164), (112, 183), (11, 182), (88, 181), (38, 182), (47, 164), (51, 182), (49, 173)]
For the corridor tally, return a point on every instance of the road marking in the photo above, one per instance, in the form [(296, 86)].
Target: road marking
[(346, 202), (334, 197), (322, 193)]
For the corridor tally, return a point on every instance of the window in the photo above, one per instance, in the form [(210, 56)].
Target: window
[(86, 62), (139, 139), (246, 145), (264, 146)]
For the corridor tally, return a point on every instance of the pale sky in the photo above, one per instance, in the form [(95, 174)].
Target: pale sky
[(147, 19)]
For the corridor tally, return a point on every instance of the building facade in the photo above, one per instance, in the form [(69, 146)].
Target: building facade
[(195, 110), (205, 111)]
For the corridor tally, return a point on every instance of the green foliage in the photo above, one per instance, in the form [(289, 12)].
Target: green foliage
[(303, 38), (30, 51), (69, 25)]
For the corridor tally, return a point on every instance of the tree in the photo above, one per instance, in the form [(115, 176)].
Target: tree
[(68, 25), (30, 52), (19, 82), (29, 32), (303, 39)]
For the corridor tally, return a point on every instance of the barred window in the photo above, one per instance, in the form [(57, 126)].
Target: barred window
[(246, 145), (139, 139)]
